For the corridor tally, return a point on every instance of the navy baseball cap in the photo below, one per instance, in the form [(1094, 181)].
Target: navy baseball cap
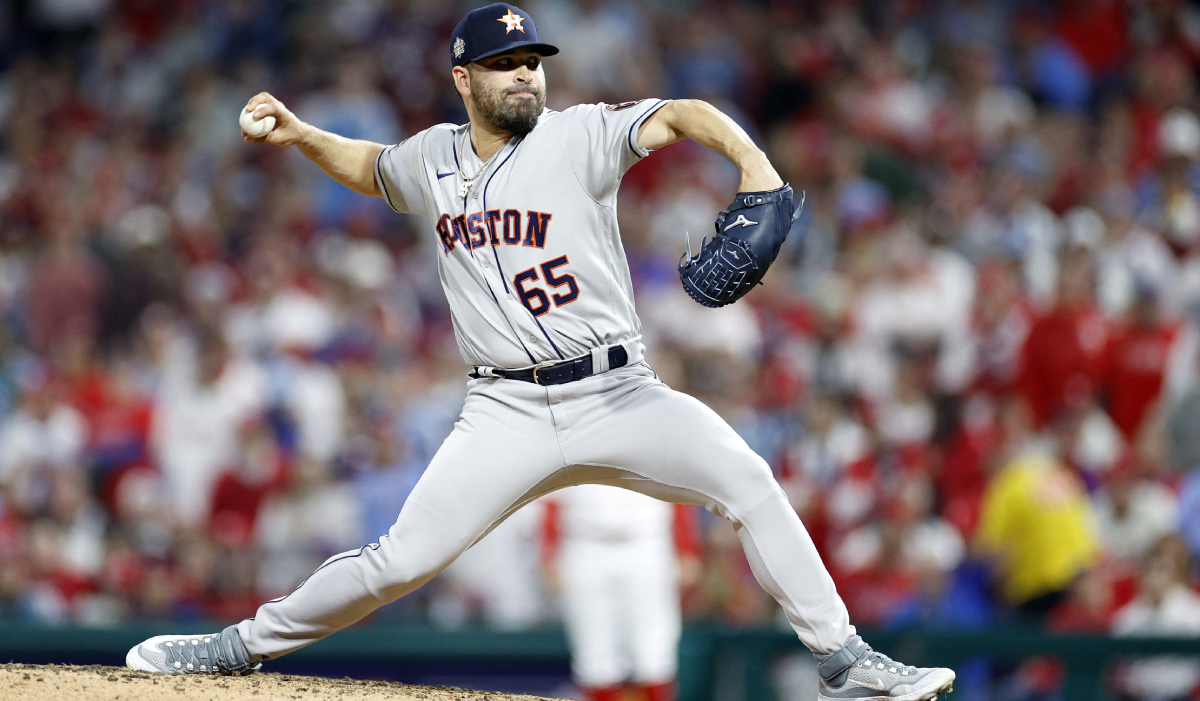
[(495, 29)]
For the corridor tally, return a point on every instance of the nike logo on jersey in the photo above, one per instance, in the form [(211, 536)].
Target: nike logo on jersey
[(741, 221), (444, 175)]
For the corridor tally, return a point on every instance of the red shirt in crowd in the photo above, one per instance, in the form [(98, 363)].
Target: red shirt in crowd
[(1062, 361), (1135, 363), (237, 499)]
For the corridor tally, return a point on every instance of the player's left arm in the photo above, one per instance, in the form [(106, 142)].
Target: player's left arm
[(706, 125)]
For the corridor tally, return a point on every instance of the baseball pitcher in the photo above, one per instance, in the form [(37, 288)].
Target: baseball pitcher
[(522, 201)]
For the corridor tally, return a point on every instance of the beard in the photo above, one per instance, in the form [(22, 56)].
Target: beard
[(518, 116)]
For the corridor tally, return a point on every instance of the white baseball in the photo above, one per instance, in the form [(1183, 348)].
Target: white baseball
[(255, 127)]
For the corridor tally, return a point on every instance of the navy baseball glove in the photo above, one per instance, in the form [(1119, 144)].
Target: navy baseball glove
[(748, 238)]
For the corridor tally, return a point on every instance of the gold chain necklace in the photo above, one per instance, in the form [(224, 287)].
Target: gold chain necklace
[(466, 186)]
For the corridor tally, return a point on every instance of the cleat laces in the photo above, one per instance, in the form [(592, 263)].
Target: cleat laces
[(193, 654), (202, 653), (882, 662)]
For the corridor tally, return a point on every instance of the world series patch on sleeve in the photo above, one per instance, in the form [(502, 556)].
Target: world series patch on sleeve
[(749, 235)]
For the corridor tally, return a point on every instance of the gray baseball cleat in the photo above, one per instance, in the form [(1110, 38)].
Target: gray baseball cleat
[(860, 673), (215, 653)]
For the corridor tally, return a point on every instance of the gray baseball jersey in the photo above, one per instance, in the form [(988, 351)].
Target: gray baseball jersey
[(532, 264), (531, 259)]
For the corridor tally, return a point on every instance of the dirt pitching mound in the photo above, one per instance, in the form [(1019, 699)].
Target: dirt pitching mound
[(27, 682)]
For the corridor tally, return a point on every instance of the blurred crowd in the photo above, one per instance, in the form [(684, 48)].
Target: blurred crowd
[(975, 367)]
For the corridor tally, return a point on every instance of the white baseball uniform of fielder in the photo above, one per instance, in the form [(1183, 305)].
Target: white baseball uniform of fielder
[(619, 581), (532, 264)]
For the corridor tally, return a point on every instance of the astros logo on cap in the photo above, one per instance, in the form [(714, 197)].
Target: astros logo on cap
[(513, 22), (477, 37)]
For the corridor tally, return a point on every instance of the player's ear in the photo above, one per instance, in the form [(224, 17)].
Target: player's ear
[(462, 80)]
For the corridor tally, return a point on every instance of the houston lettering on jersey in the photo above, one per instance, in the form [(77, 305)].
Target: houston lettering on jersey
[(493, 227)]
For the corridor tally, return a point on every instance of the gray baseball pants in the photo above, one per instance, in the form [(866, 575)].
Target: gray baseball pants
[(516, 441)]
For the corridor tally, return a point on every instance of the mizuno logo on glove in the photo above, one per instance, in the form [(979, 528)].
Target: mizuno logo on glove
[(735, 260), (740, 221)]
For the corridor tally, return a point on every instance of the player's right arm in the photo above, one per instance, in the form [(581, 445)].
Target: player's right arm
[(351, 162)]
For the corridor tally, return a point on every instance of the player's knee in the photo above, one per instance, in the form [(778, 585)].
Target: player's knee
[(751, 476), (401, 570), (747, 487), (401, 580)]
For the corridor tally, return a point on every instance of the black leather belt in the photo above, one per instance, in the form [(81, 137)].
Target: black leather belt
[(566, 371)]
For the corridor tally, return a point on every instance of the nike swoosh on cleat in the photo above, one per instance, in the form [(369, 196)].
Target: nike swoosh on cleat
[(874, 685), (444, 175)]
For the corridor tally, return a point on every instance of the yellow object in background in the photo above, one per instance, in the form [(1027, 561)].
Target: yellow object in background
[(1037, 519)]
